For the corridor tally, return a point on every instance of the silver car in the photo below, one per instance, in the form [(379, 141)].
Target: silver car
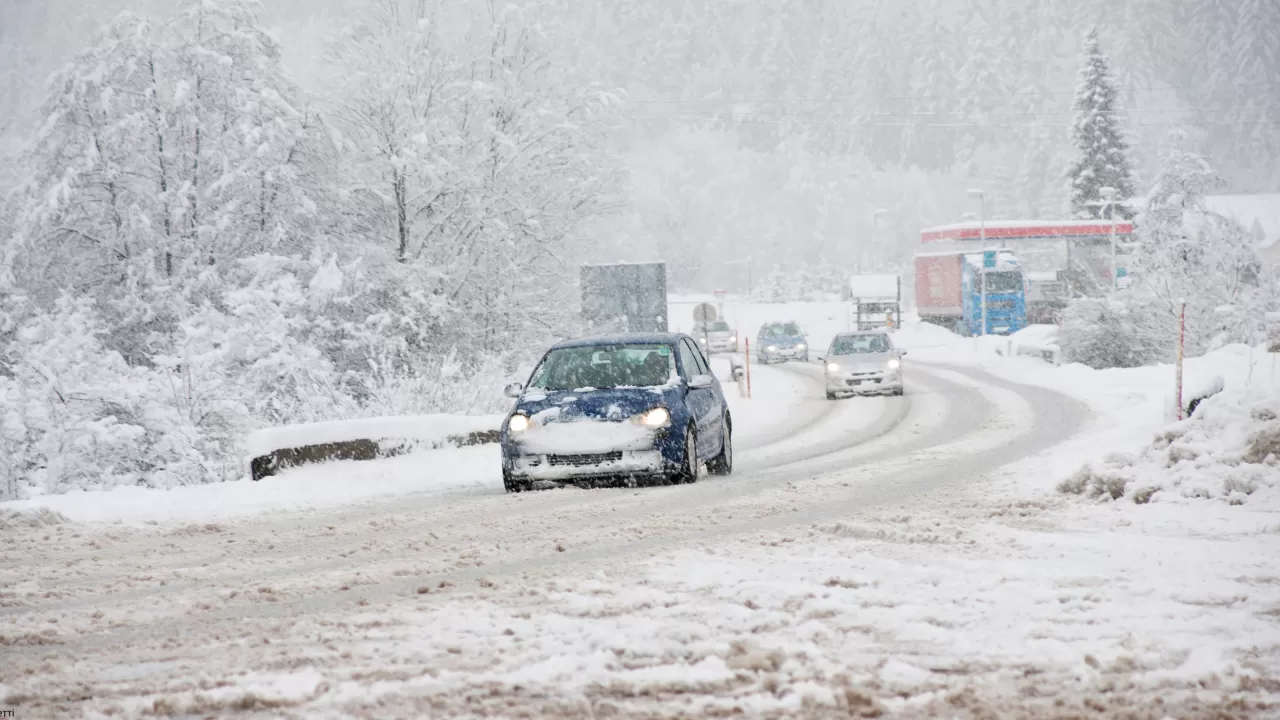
[(716, 337), (863, 363)]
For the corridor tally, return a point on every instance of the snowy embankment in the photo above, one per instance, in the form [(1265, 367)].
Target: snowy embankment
[(781, 401), (1137, 450)]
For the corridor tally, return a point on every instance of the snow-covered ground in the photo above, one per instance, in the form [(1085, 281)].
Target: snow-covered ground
[(911, 557), (784, 413)]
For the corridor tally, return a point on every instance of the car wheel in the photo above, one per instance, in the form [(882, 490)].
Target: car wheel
[(722, 464), (512, 485), (832, 396), (899, 392), (691, 467)]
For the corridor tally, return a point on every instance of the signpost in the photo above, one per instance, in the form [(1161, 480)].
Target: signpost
[(704, 313)]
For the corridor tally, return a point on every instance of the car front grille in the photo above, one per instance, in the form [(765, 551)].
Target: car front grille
[(583, 460)]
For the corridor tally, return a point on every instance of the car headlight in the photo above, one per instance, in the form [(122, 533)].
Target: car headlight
[(702, 340), (832, 367), (894, 364), (517, 423), (800, 346), (733, 338), (771, 348), (655, 418)]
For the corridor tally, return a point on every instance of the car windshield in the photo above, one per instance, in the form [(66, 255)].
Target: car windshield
[(718, 326), (1004, 282), (854, 344), (782, 330), (604, 366)]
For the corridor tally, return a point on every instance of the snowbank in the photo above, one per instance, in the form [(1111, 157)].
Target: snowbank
[(1229, 450), (311, 487)]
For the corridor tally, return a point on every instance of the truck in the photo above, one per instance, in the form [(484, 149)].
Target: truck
[(624, 297), (875, 301), (1061, 259), (949, 291)]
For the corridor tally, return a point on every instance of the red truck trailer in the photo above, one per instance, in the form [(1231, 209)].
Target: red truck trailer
[(939, 295)]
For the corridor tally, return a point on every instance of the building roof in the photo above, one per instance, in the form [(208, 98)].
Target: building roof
[(1259, 213), (1023, 230)]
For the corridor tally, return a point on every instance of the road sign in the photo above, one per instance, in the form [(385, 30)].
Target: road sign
[(704, 313), (988, 258)]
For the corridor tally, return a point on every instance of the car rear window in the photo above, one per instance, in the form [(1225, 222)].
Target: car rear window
[(851, 344), (604, 366)]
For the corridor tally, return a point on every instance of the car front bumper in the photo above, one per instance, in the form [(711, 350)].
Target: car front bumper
[(786, 353), (588, 466), (864, 383), (717, 346)]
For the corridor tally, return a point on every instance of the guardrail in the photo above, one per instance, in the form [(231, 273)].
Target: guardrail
[(359, 449)]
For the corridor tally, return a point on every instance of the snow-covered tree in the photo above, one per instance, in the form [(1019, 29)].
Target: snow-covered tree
[(1102, 152), (1190, 253), (475, 159)]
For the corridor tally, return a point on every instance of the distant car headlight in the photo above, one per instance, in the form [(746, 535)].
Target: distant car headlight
[(655, 418), (733, 338), (832, 367), (771, 348), (895, 363), (702, 340), (800, 346), (517, 423)]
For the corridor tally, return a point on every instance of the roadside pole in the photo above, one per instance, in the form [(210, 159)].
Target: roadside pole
[(983, 283), (746, 352), (1182, 337)]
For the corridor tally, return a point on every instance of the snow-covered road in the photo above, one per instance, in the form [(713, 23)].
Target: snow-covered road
[(848, 565)]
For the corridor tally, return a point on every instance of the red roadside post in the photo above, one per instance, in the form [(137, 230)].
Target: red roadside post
[(1182, 338)]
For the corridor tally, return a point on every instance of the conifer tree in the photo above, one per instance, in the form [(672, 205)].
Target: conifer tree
[(1102, 154)]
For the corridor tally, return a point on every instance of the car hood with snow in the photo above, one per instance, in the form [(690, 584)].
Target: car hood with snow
[(859, 362), (544, 407)]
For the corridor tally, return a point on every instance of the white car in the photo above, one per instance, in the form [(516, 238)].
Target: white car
[(716, 337), (863, 363)]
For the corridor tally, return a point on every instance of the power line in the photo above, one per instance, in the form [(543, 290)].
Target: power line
[(960, 96), (763, 121), (961, 113)]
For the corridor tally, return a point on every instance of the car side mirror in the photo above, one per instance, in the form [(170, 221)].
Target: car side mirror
[(701, 382), (513, 390), (902, 352), (822, 358)]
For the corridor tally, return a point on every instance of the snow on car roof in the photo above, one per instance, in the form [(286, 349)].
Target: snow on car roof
[(621, 339)]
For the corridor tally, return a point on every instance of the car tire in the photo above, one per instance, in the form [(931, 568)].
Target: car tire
[(722, 464), (512, 485), (899, 392), (832, 396), (691, 468)]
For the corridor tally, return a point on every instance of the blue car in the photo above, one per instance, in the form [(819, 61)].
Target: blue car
[(781, 341), (636, 409)]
